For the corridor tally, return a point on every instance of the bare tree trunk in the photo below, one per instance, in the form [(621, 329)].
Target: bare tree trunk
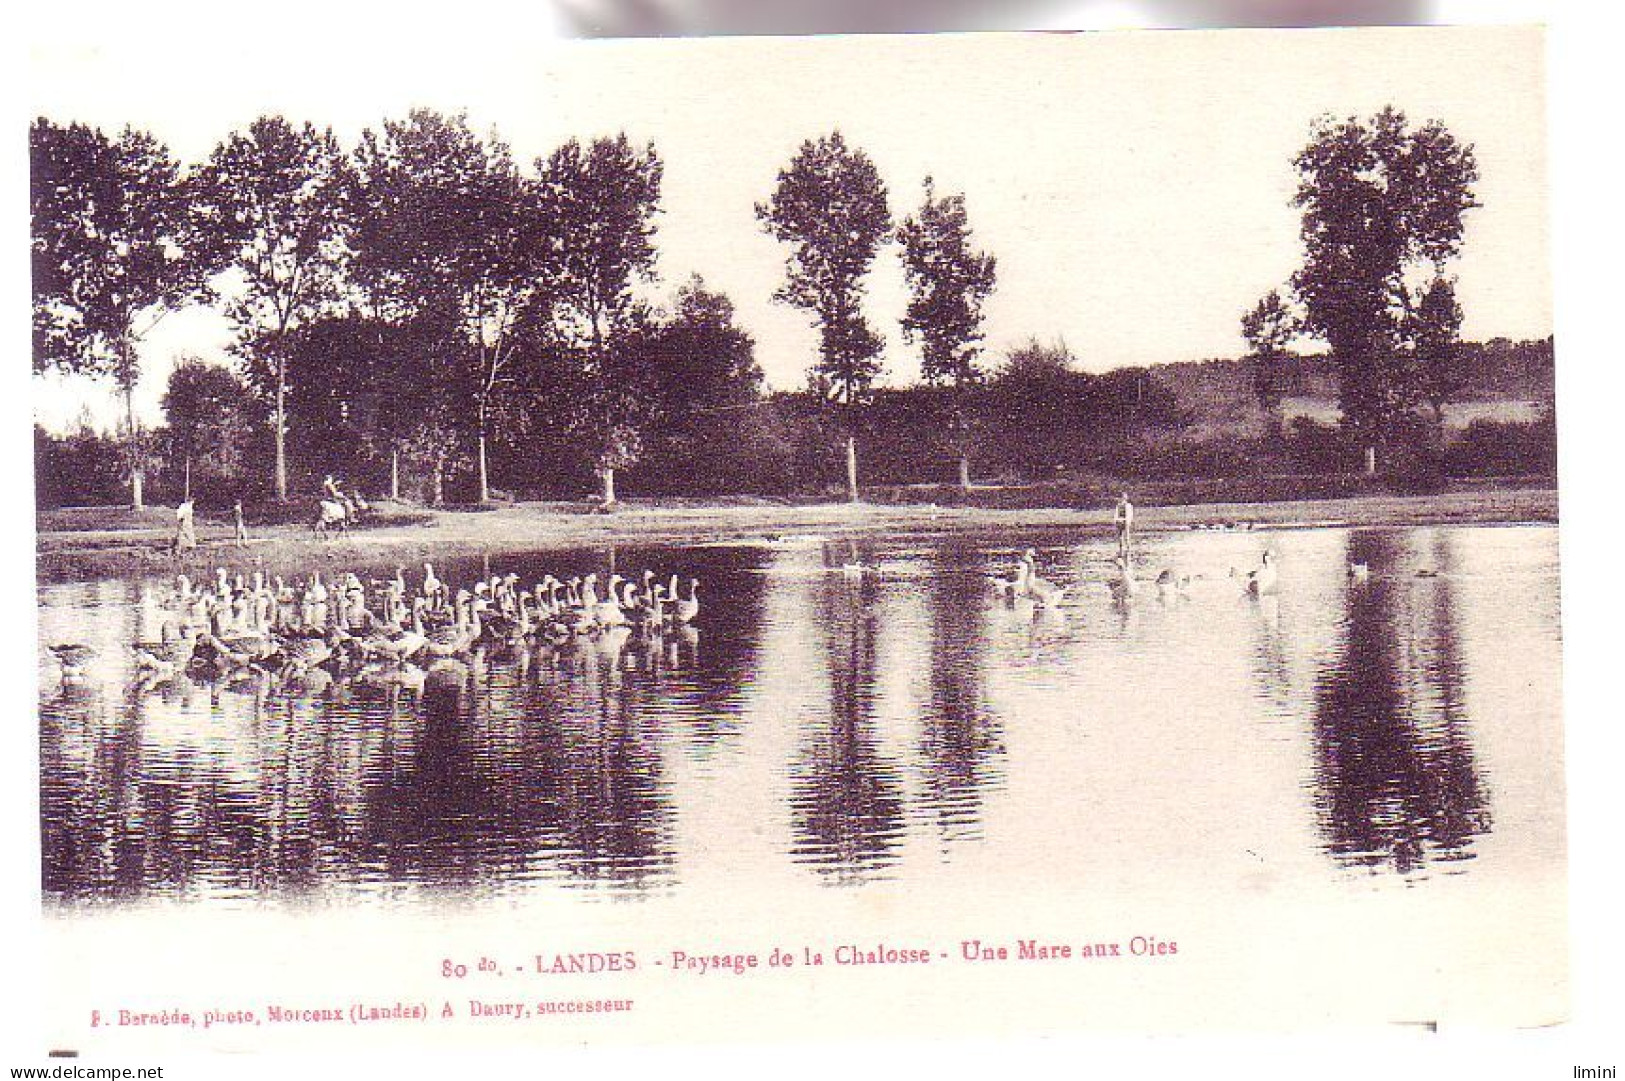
[(1371, 461), (606, 477), (394, 472), (281, 425), (964, 472), (485, 477), (437, 484), (137, 472), (852, 467), (186, 490)]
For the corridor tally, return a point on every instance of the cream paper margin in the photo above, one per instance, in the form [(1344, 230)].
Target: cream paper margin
[(150, 955)]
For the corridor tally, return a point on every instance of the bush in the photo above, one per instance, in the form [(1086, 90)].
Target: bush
[(1493, 448), (1319, 448), (84, 468)]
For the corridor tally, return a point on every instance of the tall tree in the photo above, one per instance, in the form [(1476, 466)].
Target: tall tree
[(208, 413), (1269, 328), (701, 386), (448, 229), (1434, 330), (114, 250), (830, 207), (703, 361), (1380, 200), (950, 282), (603, 199), (277, 193)]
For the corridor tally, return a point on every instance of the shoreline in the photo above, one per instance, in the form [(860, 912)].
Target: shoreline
[(84, 555)]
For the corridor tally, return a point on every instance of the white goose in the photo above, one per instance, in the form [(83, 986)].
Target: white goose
[(1173, 583), (1014, 586), (1041, 590), (1125, 585), (687, 609), (608, 612), (1262, 581)]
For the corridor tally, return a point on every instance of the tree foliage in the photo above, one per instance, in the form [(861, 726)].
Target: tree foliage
[(702, 360), (1434, 331), (1380, 199), (1269, 328), (277, 194), (210, 414), (448, 228), (114, 246), (602, 199), (701, 389), (114, 249), (949, 281), (1034, 359), (830, 206)]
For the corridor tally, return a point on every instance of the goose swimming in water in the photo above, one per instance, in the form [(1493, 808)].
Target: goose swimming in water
[(608, 612), (410, 642), (303, 654), (1015, 585), (1262, 581), (74, 657), (1041, 590), (1125, 585), (1172, 583), (171, 653), (687, 609)]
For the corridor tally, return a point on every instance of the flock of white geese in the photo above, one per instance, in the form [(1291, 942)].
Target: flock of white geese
[(1026, 583), (285, 628)]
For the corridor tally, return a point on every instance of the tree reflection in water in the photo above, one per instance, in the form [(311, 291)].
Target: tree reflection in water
[(846, 802), (874, 734), (961, 737), (1395, 779)]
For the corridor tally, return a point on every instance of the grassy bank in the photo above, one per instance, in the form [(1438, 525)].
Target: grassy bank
[(88, 543)]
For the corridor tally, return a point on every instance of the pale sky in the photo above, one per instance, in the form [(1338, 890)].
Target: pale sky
[(1135, 188)]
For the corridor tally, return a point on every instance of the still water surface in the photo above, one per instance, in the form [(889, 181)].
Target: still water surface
[(823, 729)]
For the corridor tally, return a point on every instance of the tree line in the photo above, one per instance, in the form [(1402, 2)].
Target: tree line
[(422, 310), (425, 293)]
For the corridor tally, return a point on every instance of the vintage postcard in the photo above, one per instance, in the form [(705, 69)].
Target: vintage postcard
[(795, 539)]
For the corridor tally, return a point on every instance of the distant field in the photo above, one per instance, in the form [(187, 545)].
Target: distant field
[(1457, 415)]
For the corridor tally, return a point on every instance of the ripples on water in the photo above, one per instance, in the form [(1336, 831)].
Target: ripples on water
[(825, 726)]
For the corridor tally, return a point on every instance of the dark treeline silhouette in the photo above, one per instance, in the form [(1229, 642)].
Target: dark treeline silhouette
[(711, 430)]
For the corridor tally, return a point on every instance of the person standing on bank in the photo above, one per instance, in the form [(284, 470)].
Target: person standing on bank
[(242, 527), (1123, 518), (185, 528)]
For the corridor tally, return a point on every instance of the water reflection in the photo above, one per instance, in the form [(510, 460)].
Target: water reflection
[(845, 712), (960, 736), (846, 800), (1396, 780)]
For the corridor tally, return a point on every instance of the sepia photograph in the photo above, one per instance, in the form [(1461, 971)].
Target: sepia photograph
[(736, 539)]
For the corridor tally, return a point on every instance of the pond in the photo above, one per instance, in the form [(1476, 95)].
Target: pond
[(823, 728)]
